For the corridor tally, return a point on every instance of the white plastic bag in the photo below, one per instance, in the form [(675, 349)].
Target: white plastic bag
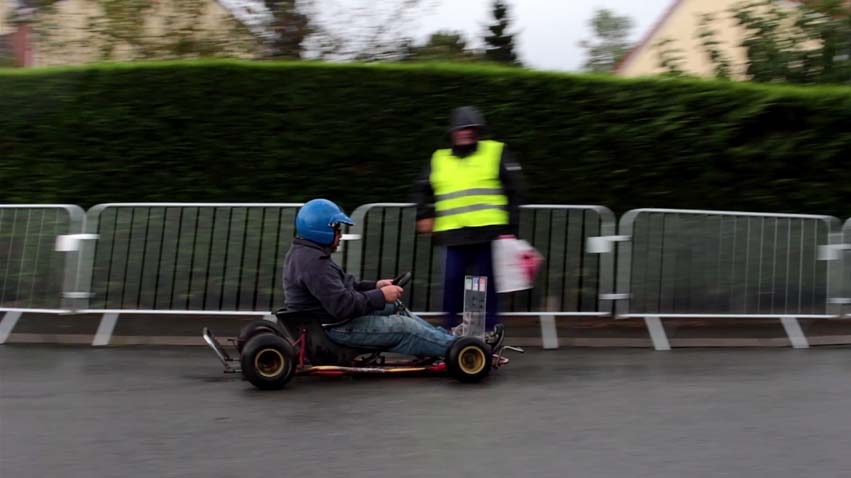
[(515, 264)]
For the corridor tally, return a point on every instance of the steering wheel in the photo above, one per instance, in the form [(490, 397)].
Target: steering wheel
[(402, 280)]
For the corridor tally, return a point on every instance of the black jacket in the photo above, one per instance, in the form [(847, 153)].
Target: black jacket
[(512, 185), (313, 282)]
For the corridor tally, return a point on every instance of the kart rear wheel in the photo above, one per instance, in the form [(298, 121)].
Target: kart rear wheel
[(268, 361), (256, 327), (469, 359)]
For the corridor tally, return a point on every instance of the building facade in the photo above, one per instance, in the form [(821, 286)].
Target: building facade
[(680, 24), (70, 32)]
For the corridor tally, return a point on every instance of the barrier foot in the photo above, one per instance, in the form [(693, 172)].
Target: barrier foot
[(549, 334), (7, 323), (657, 333), (794, 332), (104, 333)]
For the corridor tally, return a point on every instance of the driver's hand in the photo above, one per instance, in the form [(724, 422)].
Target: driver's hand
[(383, 283), (392, 293)]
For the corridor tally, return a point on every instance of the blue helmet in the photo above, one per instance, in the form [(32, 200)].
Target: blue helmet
[(316, 220)]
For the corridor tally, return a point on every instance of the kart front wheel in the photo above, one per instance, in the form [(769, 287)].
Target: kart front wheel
[(469, 359), (268, 361)]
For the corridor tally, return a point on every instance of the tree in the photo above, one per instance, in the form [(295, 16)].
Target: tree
[(808, 44), (6, 58), (443, 46), (712, 46), (119, 23), (290, 26), (500, 43), (670, 57), (137, 29), (610, 42), (364, 30), (182, 35)]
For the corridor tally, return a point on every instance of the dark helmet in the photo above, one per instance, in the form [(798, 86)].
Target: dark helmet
[(466, 117)]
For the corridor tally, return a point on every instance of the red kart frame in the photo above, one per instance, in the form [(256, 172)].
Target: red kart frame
[(374, 364)]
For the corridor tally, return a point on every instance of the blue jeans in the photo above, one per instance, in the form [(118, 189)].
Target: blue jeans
[(402, 334)]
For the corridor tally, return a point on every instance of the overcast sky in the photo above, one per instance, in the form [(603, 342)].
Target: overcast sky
[(549, 30)]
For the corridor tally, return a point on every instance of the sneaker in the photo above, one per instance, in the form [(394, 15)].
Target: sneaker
[(495, 337)]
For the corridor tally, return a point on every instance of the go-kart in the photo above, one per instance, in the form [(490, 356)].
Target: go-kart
[(271, 352)]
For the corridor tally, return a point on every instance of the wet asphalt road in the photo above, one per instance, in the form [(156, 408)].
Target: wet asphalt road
[(157, 412)]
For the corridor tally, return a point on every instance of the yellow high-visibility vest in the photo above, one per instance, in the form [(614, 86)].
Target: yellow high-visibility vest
[(468, 192)]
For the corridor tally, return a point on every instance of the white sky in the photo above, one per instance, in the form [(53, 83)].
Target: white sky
[(549, 30)]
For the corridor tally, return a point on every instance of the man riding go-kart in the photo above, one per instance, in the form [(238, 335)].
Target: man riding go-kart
[(364, 309), (333, 320)]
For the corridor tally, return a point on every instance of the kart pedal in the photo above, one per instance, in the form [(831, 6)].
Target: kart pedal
[(500, 360)]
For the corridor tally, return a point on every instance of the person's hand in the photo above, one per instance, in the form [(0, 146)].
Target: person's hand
[(392, 293), (425, 226), (383, 283)]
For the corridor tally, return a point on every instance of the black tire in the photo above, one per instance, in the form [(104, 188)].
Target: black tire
[(268, 361), (469, 359), (255, 327)]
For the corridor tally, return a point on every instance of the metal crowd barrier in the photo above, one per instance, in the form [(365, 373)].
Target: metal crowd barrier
[(33, 274), (570, 283), (843, 252), (184, 258), (226, 258), (681, 263)]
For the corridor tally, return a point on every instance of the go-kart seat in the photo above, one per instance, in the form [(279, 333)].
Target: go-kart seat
[(320, 349)]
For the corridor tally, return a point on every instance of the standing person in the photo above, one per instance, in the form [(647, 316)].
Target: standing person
[(469, 196)]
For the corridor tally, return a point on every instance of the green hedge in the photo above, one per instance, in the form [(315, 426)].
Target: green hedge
[(234, 131)]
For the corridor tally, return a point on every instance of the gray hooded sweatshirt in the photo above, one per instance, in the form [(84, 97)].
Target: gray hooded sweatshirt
[(314, 282)]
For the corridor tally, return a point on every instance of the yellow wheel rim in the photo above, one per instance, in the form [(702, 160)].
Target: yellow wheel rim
[(269, 363), (472, 360)]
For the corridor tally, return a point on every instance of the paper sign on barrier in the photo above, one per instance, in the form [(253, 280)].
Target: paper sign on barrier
[(475, 306)]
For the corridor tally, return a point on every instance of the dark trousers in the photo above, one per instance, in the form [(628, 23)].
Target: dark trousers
[(474, 259)]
